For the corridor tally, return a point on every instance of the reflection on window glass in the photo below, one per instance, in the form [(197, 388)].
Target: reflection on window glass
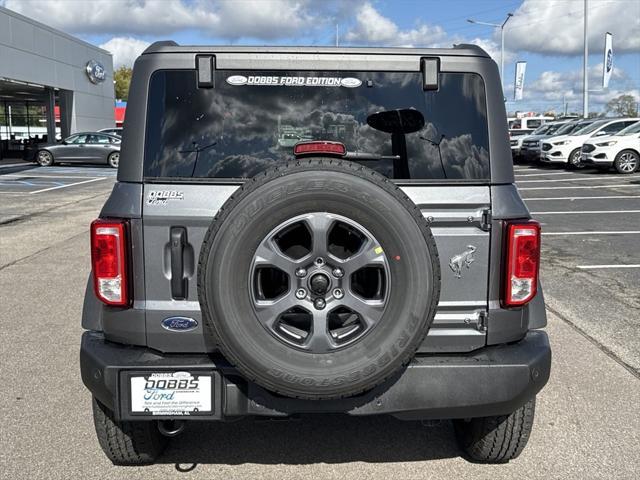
[(236, 131)]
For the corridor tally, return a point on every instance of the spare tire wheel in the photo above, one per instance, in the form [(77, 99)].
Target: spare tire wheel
[(318, 279)]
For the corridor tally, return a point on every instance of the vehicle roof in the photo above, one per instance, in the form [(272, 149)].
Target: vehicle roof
[(456, 50), (611, 119), (94, 133)]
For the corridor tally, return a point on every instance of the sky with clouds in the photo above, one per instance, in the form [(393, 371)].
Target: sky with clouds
[(548, 34)]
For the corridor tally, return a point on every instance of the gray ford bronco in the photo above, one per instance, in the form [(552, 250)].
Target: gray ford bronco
[(313, 231)]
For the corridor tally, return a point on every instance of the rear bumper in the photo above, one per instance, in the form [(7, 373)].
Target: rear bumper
[(492, 381)]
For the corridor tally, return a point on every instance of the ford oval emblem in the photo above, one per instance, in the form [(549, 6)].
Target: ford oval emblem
[(96, 72), (237, 80), (350, 82), (179, 324)]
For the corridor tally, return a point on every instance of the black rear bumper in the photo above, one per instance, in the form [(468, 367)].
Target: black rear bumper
[(493, 381)]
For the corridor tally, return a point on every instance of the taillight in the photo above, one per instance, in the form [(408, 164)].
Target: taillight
[(319, 148), (522, 262), (109, 261)]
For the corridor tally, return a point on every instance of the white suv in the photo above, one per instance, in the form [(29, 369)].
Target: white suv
[(566, 148), (622, 151)]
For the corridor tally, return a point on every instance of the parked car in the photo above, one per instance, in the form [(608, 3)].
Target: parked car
[(117, 131), (622, 150), (517, 142), (566, 149), (532, 144), (519, 128), (234, 276), (528, 124), (83, 147)]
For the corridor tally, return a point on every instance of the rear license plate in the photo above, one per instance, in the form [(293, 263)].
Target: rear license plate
[(171, 394)]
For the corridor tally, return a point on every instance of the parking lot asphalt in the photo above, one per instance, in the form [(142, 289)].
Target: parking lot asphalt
[(588, 417)]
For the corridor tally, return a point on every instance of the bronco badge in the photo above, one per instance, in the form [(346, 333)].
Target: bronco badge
[(464, 259)]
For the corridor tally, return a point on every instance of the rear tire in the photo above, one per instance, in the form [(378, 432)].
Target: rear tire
[(496, 439), (313, 365), (626, 162), (113, 159), (127, 443), (44, 158)]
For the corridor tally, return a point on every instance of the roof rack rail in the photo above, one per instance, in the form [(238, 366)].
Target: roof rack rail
[(156, 46)]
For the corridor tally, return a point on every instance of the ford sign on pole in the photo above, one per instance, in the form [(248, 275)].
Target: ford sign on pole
[(519, 83), (607, 64)]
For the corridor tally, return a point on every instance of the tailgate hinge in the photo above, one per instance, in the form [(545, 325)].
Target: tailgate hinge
[(485, 225)]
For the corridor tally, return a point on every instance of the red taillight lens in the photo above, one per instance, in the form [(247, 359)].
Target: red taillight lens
[(109, 261), (522, 263), (319, 148)]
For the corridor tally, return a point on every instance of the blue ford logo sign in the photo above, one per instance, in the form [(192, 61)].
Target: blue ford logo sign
[(609, 60), (96, 72), (179, 324)]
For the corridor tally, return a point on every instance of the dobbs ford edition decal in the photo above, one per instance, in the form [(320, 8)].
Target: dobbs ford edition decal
[(273, 81), (161, 197)]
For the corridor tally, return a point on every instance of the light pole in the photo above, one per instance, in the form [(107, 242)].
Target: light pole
[(585, 64), (501, 27)]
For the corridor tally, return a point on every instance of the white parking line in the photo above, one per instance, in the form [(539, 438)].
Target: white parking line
[(617, 232), (621, 185), (11, 165), (26, 175), (585, 212), (585, 267), (578, 179), (609, 197), (69, 185), (542, 174)]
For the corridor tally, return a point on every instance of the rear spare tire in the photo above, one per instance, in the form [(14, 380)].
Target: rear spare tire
[(318, 279)]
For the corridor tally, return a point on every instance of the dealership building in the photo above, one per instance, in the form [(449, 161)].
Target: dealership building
[(43, 72)]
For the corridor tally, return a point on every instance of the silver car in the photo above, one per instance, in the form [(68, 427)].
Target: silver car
[(117, 131), (83, 147)]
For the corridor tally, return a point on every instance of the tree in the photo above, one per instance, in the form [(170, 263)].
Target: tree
[(122, 77), (623, 106)]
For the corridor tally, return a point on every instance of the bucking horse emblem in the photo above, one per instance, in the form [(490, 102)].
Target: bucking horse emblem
[(464, 259)]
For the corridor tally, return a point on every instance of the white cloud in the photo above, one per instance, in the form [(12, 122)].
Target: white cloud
[(555, 27), (125, 50), (551, 88), (260, 19), (373, 28), (263, 19)]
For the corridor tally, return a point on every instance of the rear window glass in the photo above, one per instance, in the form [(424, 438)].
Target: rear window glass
[(252, 120)]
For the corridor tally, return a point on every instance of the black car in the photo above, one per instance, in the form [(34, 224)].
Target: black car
[(83, 147)]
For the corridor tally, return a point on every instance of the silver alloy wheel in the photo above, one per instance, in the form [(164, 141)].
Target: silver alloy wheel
[(44, 158), (311, 297), (114, 159), (628, 162), (575, 159)]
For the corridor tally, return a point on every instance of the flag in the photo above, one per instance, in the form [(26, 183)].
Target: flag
[(519, 83), (607, 64)]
